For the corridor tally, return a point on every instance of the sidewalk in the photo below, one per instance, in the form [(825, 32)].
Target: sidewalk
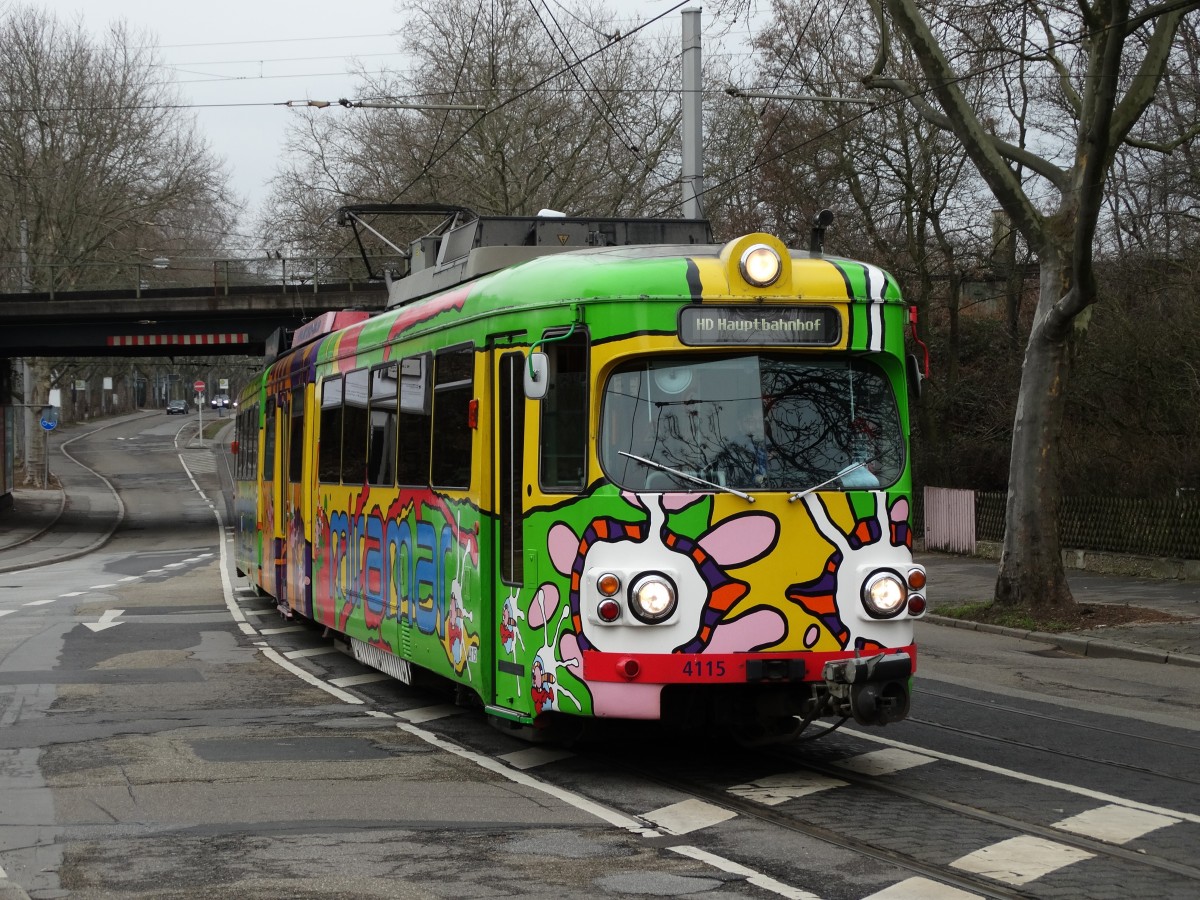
[(955, 580), (47, 526)]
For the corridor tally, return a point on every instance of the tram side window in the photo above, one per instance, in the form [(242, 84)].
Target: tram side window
[(247, 442), (329, 455), (381, 442), (296, 438), (453, 390), (255, 436), (354, 428), (269, 442), (563, 463), (250, 445), (414, 424)]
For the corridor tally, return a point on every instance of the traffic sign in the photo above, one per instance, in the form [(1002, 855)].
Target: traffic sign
[(199, 387)]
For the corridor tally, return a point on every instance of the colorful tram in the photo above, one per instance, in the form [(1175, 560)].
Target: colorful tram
[(650, 478)]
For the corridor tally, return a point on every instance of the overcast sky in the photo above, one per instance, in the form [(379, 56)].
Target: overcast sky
[(233, 59)]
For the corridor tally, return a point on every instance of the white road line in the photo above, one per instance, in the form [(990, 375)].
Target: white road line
[(1114, 824), (131, 578), (688, 815), (601, 812), (101, 587), (920, 889), (1020, 860), (7, 612), (39, 602), (534, 757), (73, 594), (771, 790), (286, 629), (883, 762), (261, 612), (311, 679), (758, 879), (1030, 779)]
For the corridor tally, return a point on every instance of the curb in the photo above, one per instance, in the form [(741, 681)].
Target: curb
[(1073, 643)]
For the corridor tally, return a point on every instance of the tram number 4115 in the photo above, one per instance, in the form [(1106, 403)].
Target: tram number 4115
[(704, 668)]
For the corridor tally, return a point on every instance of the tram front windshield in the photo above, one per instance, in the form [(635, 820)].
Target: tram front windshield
[(751, 422)]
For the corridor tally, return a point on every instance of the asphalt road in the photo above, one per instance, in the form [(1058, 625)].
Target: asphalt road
[(164, 734)]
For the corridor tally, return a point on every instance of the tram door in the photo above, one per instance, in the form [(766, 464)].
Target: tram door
[(541, 452), (271, 561), (296, 549), (509, 577)]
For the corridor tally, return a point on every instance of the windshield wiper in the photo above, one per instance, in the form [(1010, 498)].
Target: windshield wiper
[(686, 477), (816, 487)]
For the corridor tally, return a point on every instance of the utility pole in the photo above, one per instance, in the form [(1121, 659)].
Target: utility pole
[(693, 117)]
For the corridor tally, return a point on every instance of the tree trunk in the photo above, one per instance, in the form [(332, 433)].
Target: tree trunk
[(1031, 568)]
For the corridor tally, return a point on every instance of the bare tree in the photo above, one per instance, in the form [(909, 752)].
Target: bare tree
[(94, 152), (97, 159), (570, 114), (1083, 75)]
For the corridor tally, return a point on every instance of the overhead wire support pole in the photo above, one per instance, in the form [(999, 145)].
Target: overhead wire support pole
[(692, 175)]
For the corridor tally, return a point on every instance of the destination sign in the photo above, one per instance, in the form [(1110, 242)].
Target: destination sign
[(810, 325)]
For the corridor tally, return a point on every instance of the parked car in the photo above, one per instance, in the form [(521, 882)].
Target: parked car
[(220, 400), (177, 406)]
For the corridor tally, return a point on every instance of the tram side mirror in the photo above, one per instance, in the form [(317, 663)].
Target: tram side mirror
[(916, 377), (537, 376)]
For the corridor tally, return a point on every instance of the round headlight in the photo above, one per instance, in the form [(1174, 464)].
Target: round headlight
[(884, 594), (761, 265), (652, 598)]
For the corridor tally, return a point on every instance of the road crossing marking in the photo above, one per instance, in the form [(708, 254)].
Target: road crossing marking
[(534, 757), (1114, 823), (286, 629), (428, 713), (73, 594), (1020, 860), (39, 602), (367, 678), (311, 651), (687, 816), (920, 889), (883, 762), (101, 587), (771, 790)]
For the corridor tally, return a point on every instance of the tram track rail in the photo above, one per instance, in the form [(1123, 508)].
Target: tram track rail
[(943, 873)]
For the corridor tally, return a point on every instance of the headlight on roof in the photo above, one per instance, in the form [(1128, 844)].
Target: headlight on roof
[(652, 598), (760, 265), (884, 594)]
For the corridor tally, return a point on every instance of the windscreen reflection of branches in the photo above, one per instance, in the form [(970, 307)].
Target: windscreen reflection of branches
[(752, 422)]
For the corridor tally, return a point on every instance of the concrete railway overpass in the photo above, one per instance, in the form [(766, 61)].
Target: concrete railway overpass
[(171, 322), (197, 321)]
